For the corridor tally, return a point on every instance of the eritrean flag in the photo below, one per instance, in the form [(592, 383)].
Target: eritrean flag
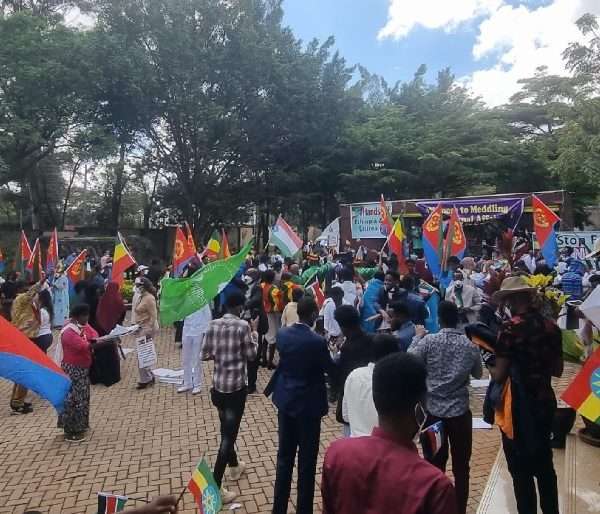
[(584, 392), (205, 490), (52, 255), (122, 260), (34, 264), (25, 250), (110, 503), (433, 240), (76, 269), (456, 242), (23, 363), (182, 253), (544, 220), (2, 262), (224, 253), (317, 292), (190, 239)]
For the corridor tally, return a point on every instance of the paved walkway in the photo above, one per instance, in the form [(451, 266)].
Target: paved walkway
[(145, 443)]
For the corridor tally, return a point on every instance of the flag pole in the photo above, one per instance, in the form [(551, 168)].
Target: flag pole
[(181, 495)]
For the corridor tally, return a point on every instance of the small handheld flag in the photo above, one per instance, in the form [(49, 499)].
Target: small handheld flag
[(544, 220), (52, 255), (431, 440), (22, 362), (122, 260), (110, 503), (205, 490), (283, 237), (317, 292), (75, 270), (584, 392), (2, 262), (433, 240)]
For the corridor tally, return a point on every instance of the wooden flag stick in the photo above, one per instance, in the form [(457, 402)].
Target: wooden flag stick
[(181, 495)]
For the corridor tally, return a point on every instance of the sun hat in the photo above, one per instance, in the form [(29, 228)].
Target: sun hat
[(512, 285)]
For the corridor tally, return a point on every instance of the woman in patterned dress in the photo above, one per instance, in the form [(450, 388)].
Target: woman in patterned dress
[(77, 339)]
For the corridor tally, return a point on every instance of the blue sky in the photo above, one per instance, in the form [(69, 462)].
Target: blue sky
[(488, 44)]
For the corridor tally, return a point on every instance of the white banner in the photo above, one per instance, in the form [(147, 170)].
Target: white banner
[(582, 242), (331, 235), (146, 352)]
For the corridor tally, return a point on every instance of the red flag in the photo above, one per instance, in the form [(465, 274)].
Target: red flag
[(182, 253), (25, 248), (456, 242), (75, 270), (544, 220), (317, 293), (122, 260), (36, 255), (190, 239), (52, 255), (395, 236), (224, 252)]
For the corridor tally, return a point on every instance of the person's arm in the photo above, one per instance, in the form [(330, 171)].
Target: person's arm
[(208, 348), (160, 505), (250, 341), (419, 344)]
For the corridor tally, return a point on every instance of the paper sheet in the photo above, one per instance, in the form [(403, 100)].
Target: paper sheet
[(484, 382), (146, 352)]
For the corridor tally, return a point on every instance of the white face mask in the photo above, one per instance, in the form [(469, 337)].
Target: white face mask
[(458, 284)]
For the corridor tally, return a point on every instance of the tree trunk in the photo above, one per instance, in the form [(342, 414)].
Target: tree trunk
[(118, 186)]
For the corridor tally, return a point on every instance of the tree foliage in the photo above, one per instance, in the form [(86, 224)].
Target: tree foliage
[(213, 111)]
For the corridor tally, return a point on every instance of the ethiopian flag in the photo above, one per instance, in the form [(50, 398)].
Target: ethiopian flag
[(181, 297), (584, 392), (205, 490), (213, 247), (122, 260)]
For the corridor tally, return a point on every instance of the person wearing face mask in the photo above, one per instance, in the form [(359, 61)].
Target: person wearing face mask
[(450, 358), (528, 353), (466, 298), (300, 395), (145, 314), (77, 339), (404, 481)]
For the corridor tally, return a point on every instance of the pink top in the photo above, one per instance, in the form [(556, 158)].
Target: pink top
[(76, 346)]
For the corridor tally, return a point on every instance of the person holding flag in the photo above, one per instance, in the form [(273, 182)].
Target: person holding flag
[(60, 297)]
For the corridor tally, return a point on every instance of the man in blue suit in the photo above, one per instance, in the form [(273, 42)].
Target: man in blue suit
[(300, 396)]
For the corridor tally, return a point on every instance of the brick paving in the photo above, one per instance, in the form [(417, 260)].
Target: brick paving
[(145, 443)]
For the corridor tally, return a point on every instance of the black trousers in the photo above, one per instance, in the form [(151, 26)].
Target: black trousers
[(231, 409), (525, 466), (300, 434)]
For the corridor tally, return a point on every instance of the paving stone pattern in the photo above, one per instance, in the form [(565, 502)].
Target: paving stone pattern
[(145, 443)]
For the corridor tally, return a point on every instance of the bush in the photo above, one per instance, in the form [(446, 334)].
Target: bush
[(127, 290)]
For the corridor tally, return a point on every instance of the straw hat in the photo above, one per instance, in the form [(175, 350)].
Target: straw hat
[(512, 285)]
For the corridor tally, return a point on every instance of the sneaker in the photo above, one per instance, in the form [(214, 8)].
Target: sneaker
[(196, 390), (227, 496), (184, 389), (75, 438), (22, 409), (236, 472)]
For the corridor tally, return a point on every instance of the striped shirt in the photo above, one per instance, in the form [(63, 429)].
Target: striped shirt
[(230, 343)]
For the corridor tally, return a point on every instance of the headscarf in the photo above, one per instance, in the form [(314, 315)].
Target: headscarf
[(110, 308)]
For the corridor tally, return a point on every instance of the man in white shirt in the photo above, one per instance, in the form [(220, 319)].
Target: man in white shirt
[(358, 408), (334, 300), (194, 328), (467, 299)]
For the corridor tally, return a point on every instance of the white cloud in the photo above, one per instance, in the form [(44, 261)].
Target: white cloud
[(518, 39), (404, 15)]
